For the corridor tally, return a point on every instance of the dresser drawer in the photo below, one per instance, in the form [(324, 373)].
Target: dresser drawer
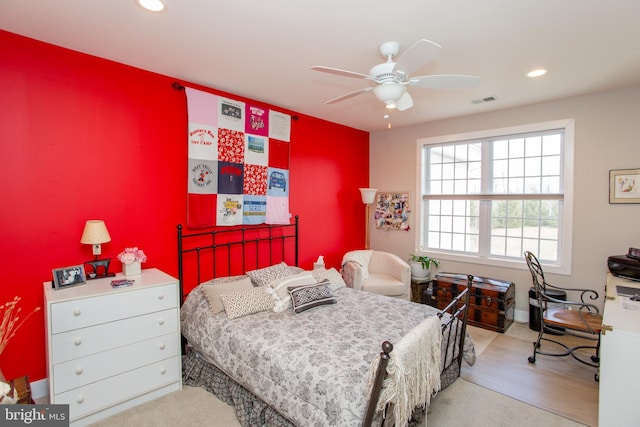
[(79, 313), (102, 394), (96, 367), (83, 342)]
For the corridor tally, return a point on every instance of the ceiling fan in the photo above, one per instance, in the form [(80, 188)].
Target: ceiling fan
[(393, 78)]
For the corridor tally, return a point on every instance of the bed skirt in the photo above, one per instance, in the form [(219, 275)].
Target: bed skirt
[(250, 410)]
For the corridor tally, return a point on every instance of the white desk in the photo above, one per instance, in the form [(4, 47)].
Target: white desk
[(619, 360)]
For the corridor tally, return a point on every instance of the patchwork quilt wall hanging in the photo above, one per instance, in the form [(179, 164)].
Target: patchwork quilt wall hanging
[(238, 162)]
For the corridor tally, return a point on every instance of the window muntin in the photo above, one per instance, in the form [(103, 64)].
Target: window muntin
[(494, 197)]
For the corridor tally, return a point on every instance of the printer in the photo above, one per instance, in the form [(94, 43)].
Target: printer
[(625, 266)]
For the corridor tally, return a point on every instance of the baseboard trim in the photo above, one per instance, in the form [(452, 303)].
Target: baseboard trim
[(521, 316), (40, 388)]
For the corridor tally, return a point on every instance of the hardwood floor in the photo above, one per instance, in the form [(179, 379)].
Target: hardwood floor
[(557, 384)]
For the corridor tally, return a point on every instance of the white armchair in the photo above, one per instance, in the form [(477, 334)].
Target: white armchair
[(376, 271)]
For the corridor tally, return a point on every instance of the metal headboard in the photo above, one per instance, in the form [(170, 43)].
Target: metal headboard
[(226, 251)]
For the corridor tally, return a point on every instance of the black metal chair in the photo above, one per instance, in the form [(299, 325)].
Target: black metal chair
[(577, 318)]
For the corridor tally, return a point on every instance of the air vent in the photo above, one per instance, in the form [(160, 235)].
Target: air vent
[(483, 100)]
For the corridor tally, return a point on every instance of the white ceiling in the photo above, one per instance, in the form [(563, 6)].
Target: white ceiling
[(264, 50)]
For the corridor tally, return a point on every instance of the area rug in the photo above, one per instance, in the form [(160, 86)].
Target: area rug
[(558, 385)]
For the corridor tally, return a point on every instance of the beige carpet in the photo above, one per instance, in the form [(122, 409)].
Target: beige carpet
[(462, 403), (190, 407)]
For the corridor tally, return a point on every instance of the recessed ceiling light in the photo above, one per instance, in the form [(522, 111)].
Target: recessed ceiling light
[(152, 5), (537, 73)]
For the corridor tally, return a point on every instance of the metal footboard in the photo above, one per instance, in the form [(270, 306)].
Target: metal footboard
[(453, 319)]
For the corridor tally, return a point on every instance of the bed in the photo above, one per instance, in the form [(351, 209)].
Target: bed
[(330, 364)]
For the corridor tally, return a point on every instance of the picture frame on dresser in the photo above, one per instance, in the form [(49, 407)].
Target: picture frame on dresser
[(69, 276)]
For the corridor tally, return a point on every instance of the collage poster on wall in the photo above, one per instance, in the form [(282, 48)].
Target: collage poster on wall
[(392, 211), (238, 162)]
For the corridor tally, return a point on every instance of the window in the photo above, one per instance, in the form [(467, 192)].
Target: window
[(489, 196)]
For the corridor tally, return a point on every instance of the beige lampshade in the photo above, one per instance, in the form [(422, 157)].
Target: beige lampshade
[(95, 232), (368, 195)]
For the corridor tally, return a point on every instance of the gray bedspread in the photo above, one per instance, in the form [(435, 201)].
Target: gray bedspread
[(311, 367)]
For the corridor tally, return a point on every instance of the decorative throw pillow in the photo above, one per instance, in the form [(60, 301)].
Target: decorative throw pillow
[(213, 292), (247, 301), (332, 275), (308, 296), (278, 288), (262, 276), (226, 279)]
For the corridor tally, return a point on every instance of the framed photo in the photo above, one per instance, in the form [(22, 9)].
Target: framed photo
[(624, 186), (68, 276), (392, 210)]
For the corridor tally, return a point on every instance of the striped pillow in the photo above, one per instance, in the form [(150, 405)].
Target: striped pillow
[(308, 296)]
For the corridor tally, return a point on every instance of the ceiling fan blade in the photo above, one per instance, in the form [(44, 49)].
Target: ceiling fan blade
[(340, 72), (416, 56), (445, 81), (405, 102), (349, 95)]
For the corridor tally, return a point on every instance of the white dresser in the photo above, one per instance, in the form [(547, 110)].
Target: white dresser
[(111, 349), (619, 357)]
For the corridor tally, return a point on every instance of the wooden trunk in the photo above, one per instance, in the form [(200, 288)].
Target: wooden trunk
[(492, 302)]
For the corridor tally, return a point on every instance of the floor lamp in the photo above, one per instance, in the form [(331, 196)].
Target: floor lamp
[(368, 195)]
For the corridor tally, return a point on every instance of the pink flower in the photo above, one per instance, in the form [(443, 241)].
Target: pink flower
[(131, 255)]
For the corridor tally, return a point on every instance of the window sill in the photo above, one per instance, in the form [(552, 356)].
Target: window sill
[(514, 263)]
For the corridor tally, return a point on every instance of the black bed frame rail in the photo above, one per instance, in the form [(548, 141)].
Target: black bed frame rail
[(216, 240), (458, 309)]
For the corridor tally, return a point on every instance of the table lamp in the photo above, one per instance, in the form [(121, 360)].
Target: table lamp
[(95, 234)]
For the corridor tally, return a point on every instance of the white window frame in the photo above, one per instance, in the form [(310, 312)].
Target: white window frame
[(566, 221)]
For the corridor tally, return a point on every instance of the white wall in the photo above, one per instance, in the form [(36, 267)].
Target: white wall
[(607, 136)]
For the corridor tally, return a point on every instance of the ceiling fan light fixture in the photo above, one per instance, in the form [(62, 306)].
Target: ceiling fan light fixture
[(389, 92), (392, 78)]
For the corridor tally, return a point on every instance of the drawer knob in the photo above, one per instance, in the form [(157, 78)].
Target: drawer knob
[(77, 341), (163, 370), (160, 296), (80, 399), (79, 370), (162, 346), (77, 311), (161, 321)]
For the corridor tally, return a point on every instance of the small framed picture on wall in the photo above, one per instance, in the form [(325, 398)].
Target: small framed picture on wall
[(624, 186), (68, 276)]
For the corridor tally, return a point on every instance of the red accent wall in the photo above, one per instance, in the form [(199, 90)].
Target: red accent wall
[(86, 138)]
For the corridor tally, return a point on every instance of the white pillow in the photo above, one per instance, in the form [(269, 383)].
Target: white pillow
[(332, 275), (278, 288), (213, 292)]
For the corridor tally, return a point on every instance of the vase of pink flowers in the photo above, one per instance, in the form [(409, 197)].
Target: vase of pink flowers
[(132, 259)]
